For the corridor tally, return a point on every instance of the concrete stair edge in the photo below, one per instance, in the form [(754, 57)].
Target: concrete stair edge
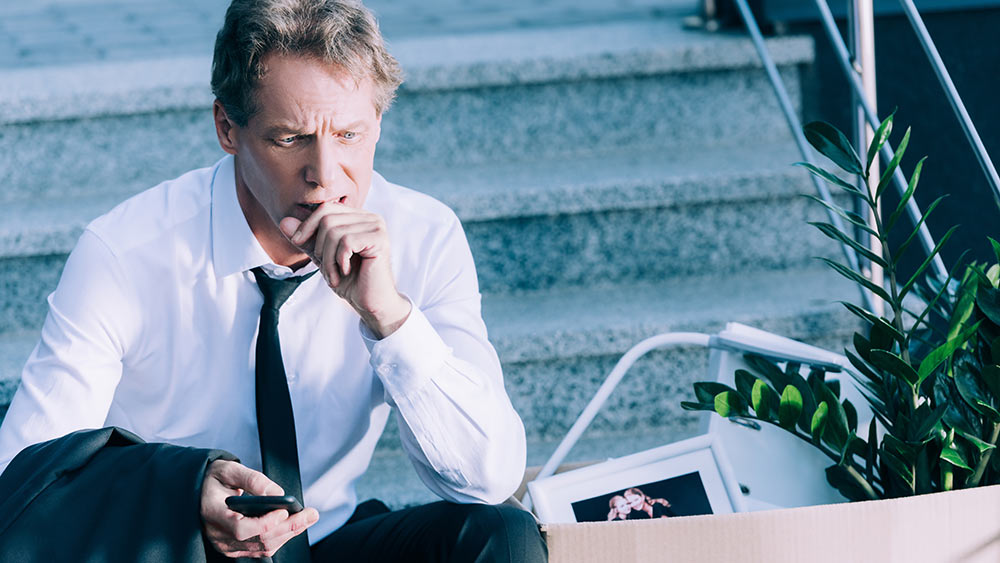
[(431, 63), (495, 191)]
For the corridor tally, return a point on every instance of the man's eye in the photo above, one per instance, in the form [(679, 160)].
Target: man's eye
[(286, 141), (350, 135)]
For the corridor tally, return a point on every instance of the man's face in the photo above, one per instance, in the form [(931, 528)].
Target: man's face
[(312, 140)]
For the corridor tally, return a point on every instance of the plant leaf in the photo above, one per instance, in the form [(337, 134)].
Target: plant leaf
[(862, 367), (831, 143), (852, 415), (884, 335), (864, 314), (927, 262), (886, 178), (790, 407), (706, 391), (835, 234), (929, 422), (988, 300), (765, 400), (963, 309), (768, 370), (982, 446), (879, 139), (693, 406), (858, 278), (829, 177), (911, 187), (954, 456), (840, 478), (991, 377), (901, 469), (872, 450), (744, 383), (916, 230), (996, 247), (837, 431), (889, 362), (850, 216), (730, 403), (818, 423), (967, 382), (944, 352)]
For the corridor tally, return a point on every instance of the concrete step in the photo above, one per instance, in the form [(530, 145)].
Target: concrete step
[(87, 130), (622, 217), (15, 347)]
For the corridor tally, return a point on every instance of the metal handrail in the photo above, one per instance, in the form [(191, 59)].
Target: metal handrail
[(912, 209), (796, 127)]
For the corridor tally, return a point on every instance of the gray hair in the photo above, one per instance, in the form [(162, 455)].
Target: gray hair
[(338, 32)]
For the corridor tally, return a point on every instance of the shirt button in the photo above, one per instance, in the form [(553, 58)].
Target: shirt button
[(384, 370)]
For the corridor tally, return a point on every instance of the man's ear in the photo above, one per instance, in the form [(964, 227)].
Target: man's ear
[(225, 129)]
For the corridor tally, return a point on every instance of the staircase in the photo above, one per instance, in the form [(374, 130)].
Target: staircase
[(615, 180)]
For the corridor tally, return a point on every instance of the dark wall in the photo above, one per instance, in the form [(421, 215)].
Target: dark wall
[(969, 46)]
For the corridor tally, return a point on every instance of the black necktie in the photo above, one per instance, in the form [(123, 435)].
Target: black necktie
[(275, 423)]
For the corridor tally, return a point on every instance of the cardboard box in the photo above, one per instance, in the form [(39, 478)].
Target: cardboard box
[(958, 526)]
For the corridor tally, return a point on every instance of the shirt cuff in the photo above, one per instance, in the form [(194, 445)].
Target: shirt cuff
[(406, 359)]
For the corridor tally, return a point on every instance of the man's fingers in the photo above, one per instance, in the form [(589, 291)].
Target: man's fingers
[(306, 229), (291, 527), (270, 523), (239, 476)]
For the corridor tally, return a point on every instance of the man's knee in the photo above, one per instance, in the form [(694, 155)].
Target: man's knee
[(499, 533)]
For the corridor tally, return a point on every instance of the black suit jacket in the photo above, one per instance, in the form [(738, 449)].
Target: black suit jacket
[(104, 496)]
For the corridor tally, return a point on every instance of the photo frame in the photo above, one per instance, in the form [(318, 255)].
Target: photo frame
[(685, 478)]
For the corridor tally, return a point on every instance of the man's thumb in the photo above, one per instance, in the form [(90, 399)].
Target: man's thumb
[(253, 482)]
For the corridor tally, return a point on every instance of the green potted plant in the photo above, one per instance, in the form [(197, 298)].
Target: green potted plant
[(928, 367)]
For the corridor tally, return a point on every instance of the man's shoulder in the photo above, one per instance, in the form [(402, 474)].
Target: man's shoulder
[(411, 208), (157, 211)]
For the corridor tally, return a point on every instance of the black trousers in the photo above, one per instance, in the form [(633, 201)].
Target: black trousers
[(436, 532)]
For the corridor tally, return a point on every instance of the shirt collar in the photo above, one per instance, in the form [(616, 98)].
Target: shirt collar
[(235, 249)]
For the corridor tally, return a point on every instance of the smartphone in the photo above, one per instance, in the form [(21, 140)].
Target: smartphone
[(253, 506)]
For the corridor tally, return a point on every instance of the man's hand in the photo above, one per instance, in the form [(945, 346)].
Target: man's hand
[(351, 248), (235, 535)]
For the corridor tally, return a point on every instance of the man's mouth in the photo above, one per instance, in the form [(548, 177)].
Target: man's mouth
[(310, 207)]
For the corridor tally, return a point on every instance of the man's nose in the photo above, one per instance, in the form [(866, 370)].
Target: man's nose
[(324, 170)]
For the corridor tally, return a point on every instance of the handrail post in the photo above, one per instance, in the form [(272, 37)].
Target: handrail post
[(912, 209), (862, 20)]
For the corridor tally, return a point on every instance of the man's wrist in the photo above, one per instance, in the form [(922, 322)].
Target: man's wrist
[(386, 321)]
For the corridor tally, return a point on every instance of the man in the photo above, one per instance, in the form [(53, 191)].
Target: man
[(154, 325)]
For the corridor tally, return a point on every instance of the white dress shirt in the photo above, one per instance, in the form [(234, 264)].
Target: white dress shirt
[(153, 328)]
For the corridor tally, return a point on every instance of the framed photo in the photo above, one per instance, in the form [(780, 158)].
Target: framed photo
[(685, 478)]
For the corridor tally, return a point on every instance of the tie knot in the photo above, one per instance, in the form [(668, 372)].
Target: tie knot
[(275, 291)]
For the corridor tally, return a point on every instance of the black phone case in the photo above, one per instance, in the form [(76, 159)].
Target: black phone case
[(253, 506)]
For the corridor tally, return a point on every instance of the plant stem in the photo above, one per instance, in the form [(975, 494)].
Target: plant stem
[(973, 480), (861, 482), (947, 477)]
